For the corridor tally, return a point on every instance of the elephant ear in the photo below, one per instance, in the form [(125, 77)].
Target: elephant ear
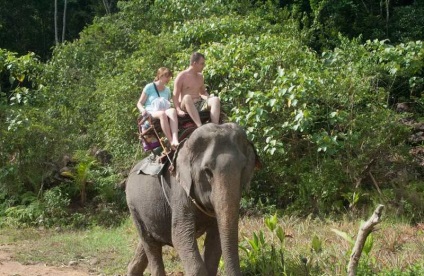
[(182, 165), (258, 163), (253, 163)]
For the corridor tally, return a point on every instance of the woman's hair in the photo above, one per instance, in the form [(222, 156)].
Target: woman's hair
[(163, 71)]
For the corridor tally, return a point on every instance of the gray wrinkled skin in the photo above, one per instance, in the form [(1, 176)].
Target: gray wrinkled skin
[(213, 166)]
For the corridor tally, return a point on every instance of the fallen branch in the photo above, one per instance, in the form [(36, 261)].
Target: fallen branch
[(375, 183), (363, 233)]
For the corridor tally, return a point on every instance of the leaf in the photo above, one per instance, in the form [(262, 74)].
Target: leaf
[(316, 244), (343, 235), (271, 222), (67, 174), (20, 78), (262, 237), (368, 244), (280, 234), (255, 242)]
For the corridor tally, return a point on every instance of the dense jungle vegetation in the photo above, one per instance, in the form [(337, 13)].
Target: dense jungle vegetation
[(330, 92)]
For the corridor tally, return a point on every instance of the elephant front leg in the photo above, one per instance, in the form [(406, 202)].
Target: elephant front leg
[(213, 252), (185, 243), (139, 263)]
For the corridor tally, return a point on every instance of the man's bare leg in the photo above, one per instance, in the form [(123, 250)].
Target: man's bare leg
[(215, 106), (188, 105)]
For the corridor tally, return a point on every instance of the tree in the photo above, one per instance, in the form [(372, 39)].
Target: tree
[(33, 26), (56, 37), (64, 20)]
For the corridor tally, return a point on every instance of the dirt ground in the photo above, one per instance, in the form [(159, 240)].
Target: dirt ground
[(9, 267)]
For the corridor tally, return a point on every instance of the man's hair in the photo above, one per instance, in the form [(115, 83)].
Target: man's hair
[(196, 56)]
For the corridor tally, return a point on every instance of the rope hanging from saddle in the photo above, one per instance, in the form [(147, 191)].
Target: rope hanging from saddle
[(171, 170)]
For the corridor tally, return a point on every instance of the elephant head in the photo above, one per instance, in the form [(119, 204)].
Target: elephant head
[(213, 166)]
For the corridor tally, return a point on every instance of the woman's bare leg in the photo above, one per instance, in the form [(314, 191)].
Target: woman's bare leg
[(164, 123), (173, 121)]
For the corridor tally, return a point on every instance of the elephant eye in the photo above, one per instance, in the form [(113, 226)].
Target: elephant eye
[(209, 174)]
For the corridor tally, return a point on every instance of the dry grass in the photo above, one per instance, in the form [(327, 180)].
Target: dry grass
[(397, 246)]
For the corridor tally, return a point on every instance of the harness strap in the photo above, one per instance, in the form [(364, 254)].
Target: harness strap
[(163, 189), (201, 208), (192, 200)]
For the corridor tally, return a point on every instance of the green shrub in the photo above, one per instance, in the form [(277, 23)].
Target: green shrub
[(264, 257)]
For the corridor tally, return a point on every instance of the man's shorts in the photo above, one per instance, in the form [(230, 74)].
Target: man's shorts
[(201, 105)]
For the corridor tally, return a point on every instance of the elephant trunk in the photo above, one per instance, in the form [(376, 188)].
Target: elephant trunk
[(227, 211)]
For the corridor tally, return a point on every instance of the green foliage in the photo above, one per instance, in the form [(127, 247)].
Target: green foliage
[(327, 120), (407, 22), (29, 26), (414, 270), (345, 236), (317, 105), (82, 173), (55, 207), (27, 139), (366, 262), (264, 257), (50, 210)]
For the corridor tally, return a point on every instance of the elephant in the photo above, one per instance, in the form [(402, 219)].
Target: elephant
[(201, 195)]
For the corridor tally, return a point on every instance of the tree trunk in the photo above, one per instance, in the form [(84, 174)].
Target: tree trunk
[(64, 20), (387, 17), (363, 233), (56, 37), (106, 3)]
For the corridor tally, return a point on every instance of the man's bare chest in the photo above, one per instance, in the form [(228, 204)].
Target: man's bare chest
[(192, 84)]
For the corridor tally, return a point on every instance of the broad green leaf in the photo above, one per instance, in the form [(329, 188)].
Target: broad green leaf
[(271, 222), (316, 244), (343, 235), (280, 234), (368, 244)]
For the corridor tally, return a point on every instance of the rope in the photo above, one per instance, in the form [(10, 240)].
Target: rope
[(163, 189), (161, 144), (161, 177), (192, 200), (201, 209)]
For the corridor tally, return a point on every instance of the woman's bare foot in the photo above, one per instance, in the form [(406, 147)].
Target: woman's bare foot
[(174, 145)]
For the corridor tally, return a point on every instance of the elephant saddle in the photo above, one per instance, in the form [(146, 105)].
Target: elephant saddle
[(153, 139)]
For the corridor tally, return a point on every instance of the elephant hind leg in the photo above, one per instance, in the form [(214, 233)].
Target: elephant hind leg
[(139, 263), (153, 251)]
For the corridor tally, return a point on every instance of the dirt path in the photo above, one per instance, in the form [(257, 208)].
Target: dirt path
[(9, 267)]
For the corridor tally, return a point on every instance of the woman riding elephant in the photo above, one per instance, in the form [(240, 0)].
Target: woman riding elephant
[(212, 167), (154, 92)]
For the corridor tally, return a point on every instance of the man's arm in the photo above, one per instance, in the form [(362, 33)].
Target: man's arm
[(178, 84), (202, 90)]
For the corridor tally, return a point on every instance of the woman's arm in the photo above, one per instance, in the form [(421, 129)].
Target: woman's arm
[(141, 101)]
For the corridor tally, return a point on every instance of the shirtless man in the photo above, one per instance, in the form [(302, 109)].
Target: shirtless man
[(190, 95)]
